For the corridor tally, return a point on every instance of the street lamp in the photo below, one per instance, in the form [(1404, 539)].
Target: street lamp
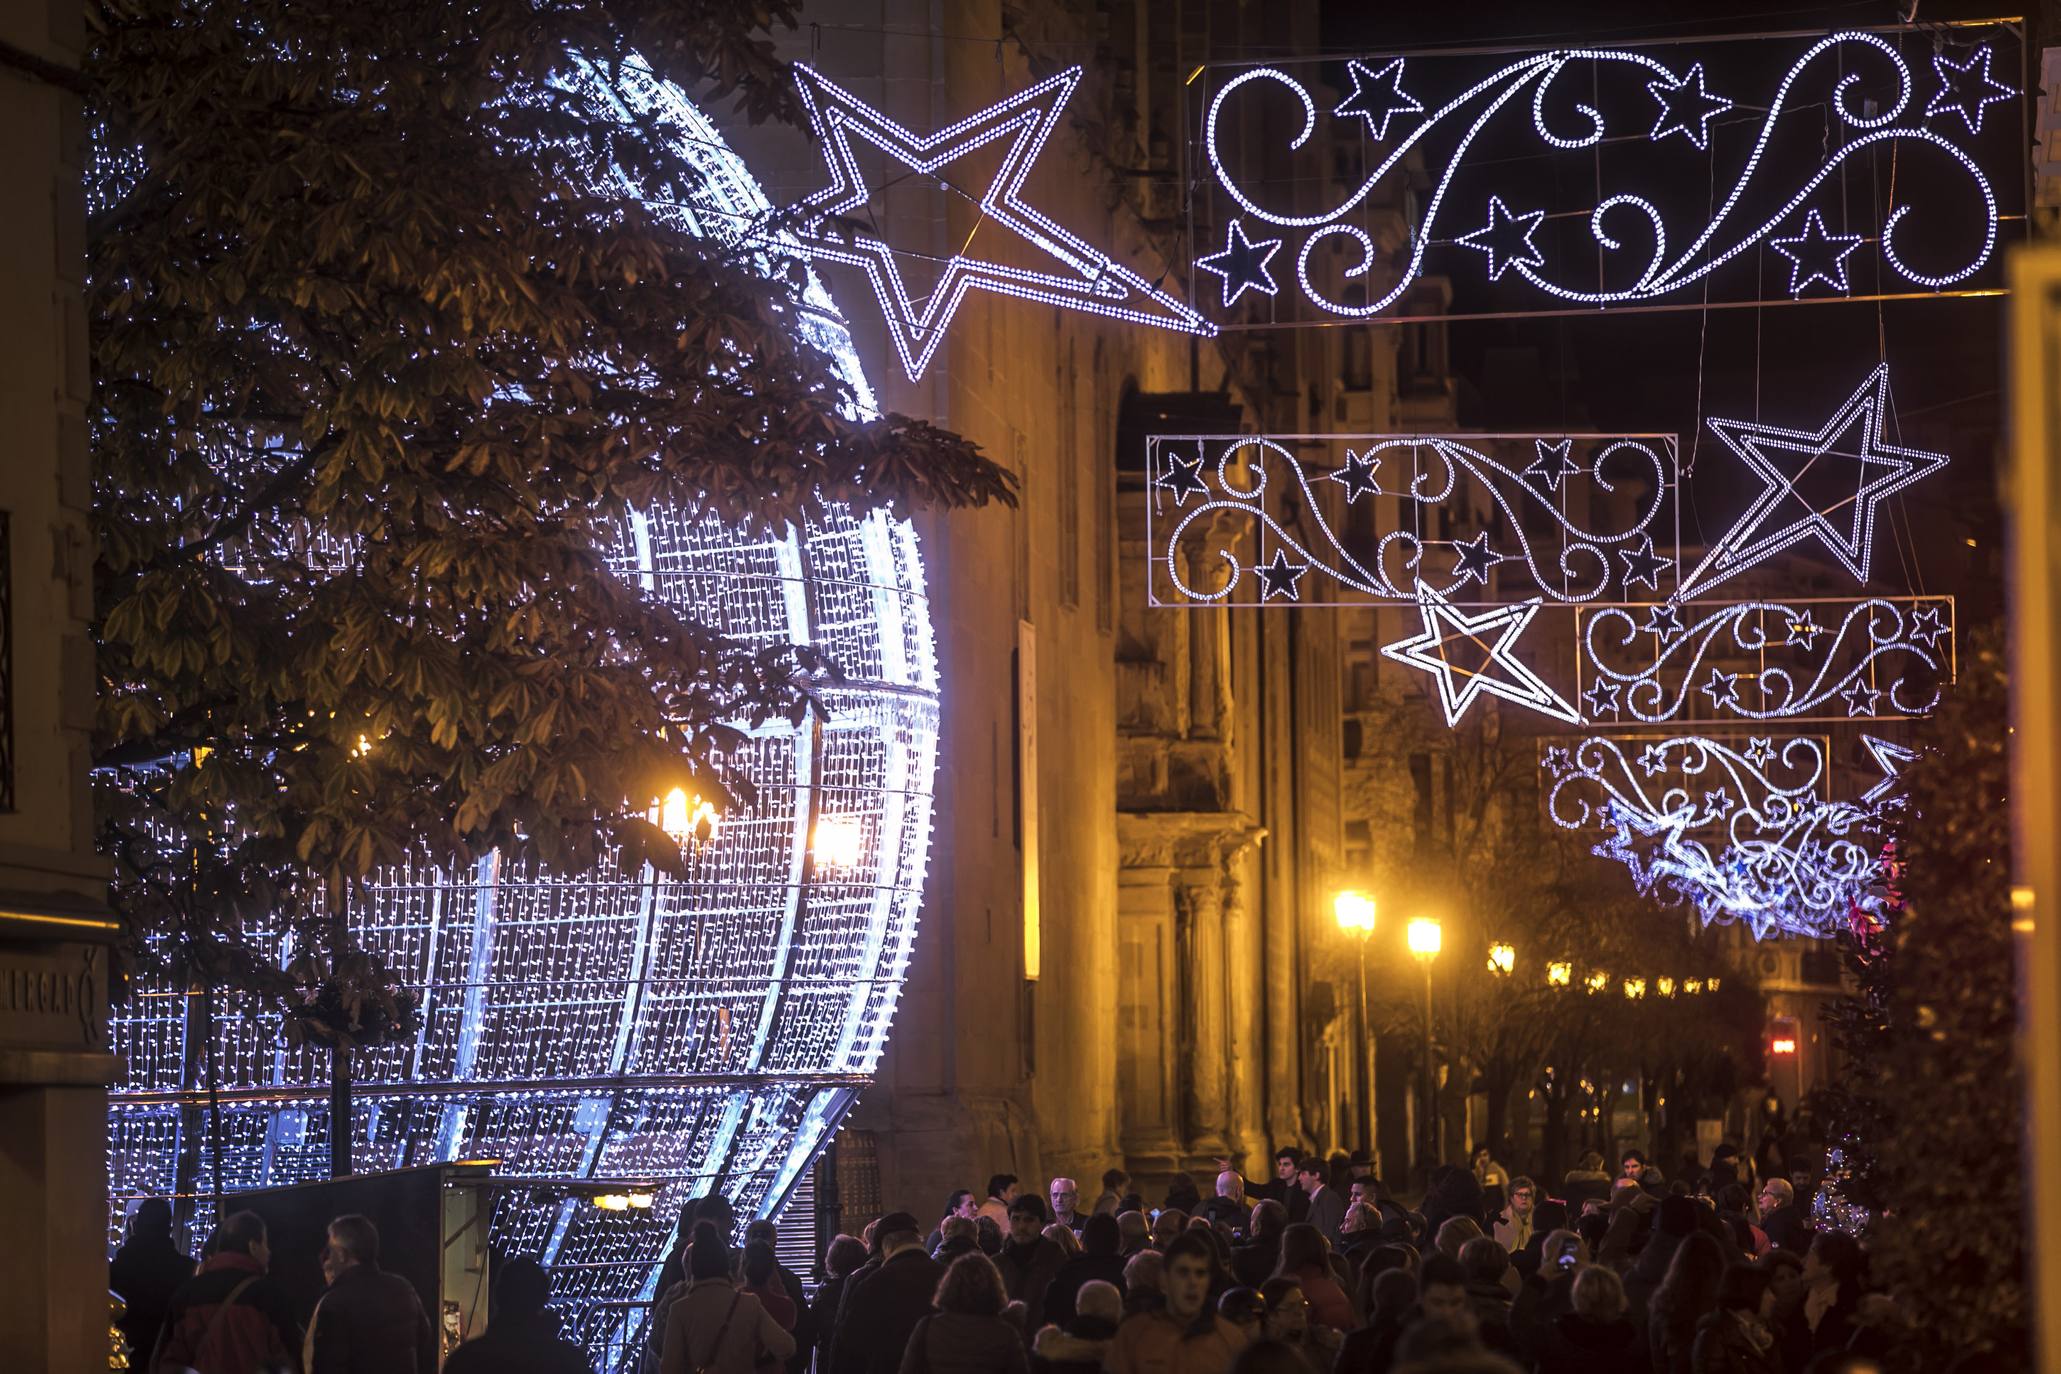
[(1355, 913), (1664, 986), (1502, 959), (1424, 936), (1597, 981), (1634, 989), (1559, 973)]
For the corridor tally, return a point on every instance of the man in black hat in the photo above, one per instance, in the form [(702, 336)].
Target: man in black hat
[(881, 1309)]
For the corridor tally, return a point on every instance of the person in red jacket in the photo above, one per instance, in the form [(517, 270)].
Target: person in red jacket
[(230, 1318)]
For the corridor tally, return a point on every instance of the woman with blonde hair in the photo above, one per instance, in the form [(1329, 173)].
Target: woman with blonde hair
[(1596, 1337)]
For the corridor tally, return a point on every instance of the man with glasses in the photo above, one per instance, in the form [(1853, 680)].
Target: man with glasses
[(1513, 1226), (1782, 1217)]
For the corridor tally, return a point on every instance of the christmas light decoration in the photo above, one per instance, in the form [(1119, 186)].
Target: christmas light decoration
[(1747, 836), (705, 1032), (1765, 660), (1242, 264), (1478, 650), (1863, 471), (1090, 280), (1211, 494), (1684, 111)]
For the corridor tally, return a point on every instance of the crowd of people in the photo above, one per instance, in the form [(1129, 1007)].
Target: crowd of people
[(1314, 1270)]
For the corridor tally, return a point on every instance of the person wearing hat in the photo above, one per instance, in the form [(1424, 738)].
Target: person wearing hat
[(1029, 1260), (880, 1309)]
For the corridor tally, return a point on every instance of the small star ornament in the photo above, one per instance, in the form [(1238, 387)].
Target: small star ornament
[(1506, 238), (1722, 689), (1642, 566), (1816, 255), (1861, 699), (1472, 559), (1279, 578), (1242, 264), (1377, 96), (1966, 87), (1182, 477), (1663, 618), (1602, 698), (1928, 626), (1686, 107), (1360, 476), (1552, 463)]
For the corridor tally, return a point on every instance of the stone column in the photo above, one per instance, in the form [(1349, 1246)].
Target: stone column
[(1205, 1041)]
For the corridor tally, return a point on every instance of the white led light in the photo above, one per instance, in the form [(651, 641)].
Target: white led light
[(1816, 255), (1443, 625), (1743, 836), (1879, 471), (1092, 280), (1242, 263), (1564, 560), (1687, 109), (1655, 678), (1965, 90)]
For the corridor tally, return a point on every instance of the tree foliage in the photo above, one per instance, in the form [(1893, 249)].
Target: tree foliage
[(1934, 1098), (391, 327)]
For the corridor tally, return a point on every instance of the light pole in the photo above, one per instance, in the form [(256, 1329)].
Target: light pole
[(1424, 937), (1355, 913)]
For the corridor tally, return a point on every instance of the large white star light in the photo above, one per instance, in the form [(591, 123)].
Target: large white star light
[(1085, 279), (1466, 654), (1850, 470)]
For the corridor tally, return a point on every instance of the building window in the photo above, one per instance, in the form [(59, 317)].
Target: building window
[(1349, 738), (1357, 372)]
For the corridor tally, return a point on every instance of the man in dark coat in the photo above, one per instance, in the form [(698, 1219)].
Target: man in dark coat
[(370, 1321), (881, 1309), (1254, 1262), (230, 1318), (146, 1271), (1098, 1259), (1786, 1222), (522, 1334), (1028, 1261)]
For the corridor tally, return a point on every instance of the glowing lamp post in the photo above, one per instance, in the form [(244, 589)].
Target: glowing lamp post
[(1559, 974), (1424, 937), (1502, 960), (1354, 911)]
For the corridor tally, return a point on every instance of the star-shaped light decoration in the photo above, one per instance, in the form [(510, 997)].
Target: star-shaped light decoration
[(1552, 463), (1759, 751), (1506, 238), (1642, 566), (1360, 476), (1475, 654), (1182, 477), (1081, 277), (1242, 263), (1717, 803), (1928, 626), (1854, 470), (1653, 759), (1686, 107), (1663, 618), (1861, 698), (1377, 96), (1472, 559), (1805, 629), (1816, 255), (1558, 760), (1722, 689), (1891, 759), (1967, 88), (1279, 577), (1601, 697)]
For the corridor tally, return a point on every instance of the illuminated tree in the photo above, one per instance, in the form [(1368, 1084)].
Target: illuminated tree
[(391, 327)]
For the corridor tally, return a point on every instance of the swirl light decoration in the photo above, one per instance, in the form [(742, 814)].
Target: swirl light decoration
[(1777, 175), (1742, 835), (1873, 658), (707, 1032), (1376, 517)]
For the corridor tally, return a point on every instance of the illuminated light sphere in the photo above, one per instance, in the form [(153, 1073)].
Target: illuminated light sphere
[(1355, 912), (1424, 937), (706, 1033), (1665, 987), (1634, 989), (1559, 973), (1502, 959), (1597, 981)]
